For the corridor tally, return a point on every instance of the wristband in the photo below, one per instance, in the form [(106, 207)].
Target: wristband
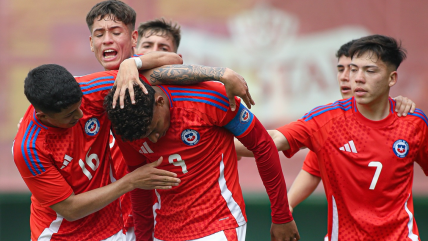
[(138, 62)]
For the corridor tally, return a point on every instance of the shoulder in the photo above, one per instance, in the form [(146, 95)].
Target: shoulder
[(330, 111), (210, 95), (94, 77), (418, 117)]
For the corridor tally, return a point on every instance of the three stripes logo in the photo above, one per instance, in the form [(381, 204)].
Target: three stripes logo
[(349, 147), (145, 149)]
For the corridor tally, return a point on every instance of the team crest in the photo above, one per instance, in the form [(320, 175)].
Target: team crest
[(245, 115), (400, 148), (92, 126), (190, 137)]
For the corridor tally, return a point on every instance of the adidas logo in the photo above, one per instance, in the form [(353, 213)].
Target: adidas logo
[(67, 160), (145, 148), (349, 147)]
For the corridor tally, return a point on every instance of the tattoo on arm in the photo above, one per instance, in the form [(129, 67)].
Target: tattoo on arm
[(186, 74)]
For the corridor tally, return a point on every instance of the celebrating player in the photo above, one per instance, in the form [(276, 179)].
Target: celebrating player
[(197, 126), (365, 152), (61, 151), (309, 177)]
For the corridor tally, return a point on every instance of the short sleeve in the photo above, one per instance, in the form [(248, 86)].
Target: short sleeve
[(45, 182), (310, 164), (298, 135)]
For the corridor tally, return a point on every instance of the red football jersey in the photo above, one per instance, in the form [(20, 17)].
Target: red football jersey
[(310, 164), (366, 167), (55, 162), (199, 147)]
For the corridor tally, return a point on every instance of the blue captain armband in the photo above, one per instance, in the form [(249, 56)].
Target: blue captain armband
[(242, 122)]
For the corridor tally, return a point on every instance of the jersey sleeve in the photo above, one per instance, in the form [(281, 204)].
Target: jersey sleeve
[(422, 155), (94, 88), (310, 164), (261, 144), (45, 182)]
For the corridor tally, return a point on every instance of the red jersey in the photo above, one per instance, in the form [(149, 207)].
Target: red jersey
[(55, 162), (366, 167), (199, 147), (310, 164)]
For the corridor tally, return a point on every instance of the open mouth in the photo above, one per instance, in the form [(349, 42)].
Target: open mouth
[(109, 54)]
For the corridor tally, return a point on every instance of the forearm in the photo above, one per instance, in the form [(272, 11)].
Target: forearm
[(183, 74), (83, 204), (158, 59), (304, 184), (269, 166), (241, 150)]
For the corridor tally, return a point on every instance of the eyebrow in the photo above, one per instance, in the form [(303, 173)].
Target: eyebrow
[(110, 28), (365, 66)]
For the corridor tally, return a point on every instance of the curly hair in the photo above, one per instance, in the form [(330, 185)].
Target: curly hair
[(385, 48), (131, 122), (162, 28), (116, 10), (51, 88)]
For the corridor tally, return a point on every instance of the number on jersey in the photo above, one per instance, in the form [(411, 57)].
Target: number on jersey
[(378, 166), (175, 159)]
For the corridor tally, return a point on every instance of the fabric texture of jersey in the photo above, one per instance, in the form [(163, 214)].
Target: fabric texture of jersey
[(201, 152), (366, 168), (56, 162), (310, 164)]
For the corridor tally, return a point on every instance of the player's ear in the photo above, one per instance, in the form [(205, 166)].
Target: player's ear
[(90, 43), (40, 115), (392, 78), (159, 100), (134, 38)]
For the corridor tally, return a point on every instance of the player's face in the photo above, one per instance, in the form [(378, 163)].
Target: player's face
[(371, 79), (343, 70), (160, 123), (67, 118), (112, 42), (155, 42)]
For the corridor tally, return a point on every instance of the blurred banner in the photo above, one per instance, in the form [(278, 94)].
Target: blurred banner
[(284, 49)]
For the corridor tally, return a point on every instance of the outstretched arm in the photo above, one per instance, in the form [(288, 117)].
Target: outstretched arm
[(278, 138)]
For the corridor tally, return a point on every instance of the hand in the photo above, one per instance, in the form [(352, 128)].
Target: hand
[(236, 86), (404, 105), (284, 232), (150, 177), (126, 77)]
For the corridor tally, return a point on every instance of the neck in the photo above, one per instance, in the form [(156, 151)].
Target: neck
[(375, 111)]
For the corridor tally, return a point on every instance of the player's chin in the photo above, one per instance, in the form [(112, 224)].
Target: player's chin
[(71, 124)]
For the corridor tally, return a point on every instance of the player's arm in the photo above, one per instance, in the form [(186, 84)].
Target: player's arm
[(278, 138), (306, 181), (303, 186), (145, 177), (404, 105)]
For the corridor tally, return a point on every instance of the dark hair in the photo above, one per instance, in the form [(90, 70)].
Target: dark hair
[(132, 121), (116, 10), (162, 28), (385, 48), (51, 88), (344, 49)]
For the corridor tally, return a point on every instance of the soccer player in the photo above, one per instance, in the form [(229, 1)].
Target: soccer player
[(197, 126), (61, 150), (113, 38), (365, 152), (158, 35), (309, 177)]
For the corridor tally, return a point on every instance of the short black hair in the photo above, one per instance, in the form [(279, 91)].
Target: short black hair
[(131, 122), (51, 88), (117, 10), (344, 50), (162, 28), (385, 48)]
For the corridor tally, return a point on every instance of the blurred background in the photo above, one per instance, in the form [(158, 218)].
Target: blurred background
[(284, 49)]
